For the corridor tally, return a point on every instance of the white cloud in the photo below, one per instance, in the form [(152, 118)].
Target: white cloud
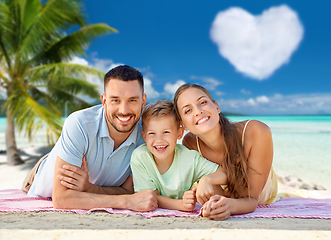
[(170, 89), (78, 60), (262, 99), (219, 93), (149, 90), (209, 82), (279, 104), (257, 45), (243, 91)]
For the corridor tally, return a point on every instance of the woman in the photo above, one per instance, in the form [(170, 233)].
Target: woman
[(244, 150)]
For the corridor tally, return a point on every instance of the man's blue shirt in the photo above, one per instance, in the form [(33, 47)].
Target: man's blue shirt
[(85, 133)]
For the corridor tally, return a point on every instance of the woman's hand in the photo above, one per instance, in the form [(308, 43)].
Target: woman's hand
[(205, 190), (189, 200), (217, 208)]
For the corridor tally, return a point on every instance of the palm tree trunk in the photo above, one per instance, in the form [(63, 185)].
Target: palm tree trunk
[(13, 157)]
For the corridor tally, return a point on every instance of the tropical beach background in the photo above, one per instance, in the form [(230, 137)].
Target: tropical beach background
[(259, 60)]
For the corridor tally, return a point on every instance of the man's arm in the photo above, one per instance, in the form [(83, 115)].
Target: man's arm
[(66, 198), (77, 179)]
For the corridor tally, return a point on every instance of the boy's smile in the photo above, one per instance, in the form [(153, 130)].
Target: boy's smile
[(161, 134)]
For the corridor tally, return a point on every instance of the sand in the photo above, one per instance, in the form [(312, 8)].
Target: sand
[(51, 225)]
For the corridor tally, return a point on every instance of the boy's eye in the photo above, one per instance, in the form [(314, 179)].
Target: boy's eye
[(151, 133), (166, 132)]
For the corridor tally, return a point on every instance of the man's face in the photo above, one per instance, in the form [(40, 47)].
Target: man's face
[(123, 103)]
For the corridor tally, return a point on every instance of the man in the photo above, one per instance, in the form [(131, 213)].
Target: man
[(104, 135)]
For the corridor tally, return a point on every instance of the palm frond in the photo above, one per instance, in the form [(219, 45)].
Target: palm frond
[(45, 73)]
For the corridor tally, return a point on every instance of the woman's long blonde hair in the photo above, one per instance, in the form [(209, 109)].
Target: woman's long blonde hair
[(235, 164)]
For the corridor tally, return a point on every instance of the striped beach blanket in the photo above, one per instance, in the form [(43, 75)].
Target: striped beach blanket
[(15, 200)]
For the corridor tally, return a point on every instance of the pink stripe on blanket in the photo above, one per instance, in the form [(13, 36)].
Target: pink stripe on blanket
[(17, 201)]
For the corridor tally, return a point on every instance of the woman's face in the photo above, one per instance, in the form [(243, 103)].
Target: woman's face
[(198, 112)]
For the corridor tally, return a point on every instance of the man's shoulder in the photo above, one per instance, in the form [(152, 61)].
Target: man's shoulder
[(87, 114)]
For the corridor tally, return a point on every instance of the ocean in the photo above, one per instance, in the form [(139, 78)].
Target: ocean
[(302, 145)]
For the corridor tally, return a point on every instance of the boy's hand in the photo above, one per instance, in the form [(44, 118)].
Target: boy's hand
[(205, 190), (189, 200)]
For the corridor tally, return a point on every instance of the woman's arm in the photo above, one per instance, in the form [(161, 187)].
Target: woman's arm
[(258, 148), (209, 185)]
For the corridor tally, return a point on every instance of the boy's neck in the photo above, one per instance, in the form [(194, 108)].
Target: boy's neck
[(163, 165)]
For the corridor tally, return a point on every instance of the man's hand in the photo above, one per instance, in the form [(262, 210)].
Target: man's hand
[(142, 201), (189, 200), (75, 178)]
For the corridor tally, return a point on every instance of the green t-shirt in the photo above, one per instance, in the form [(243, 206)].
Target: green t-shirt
[(188, 166)]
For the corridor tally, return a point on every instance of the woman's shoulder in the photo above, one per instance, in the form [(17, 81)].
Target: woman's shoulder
[(254, 128), (189, 141)]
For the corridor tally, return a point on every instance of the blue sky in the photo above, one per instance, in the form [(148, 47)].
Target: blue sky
[(257, 58)]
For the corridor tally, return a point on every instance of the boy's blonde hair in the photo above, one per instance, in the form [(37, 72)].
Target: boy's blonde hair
[(159, 108)]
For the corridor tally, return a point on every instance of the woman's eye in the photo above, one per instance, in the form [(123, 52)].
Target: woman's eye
[(187, 111), (203, 102)]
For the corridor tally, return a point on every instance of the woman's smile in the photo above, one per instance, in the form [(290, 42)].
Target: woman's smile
[(202, 120)]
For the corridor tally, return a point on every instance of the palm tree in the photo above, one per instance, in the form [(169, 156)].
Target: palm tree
[(35, 50)]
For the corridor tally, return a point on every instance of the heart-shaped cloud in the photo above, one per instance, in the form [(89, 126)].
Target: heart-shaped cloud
[(257, 45)]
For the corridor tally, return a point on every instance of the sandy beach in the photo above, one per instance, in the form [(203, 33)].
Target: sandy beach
[(51, 225)]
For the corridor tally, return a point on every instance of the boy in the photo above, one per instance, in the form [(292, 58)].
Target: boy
[(168, 168)]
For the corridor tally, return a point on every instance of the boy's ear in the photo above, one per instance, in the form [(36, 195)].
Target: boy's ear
[(180, 132), (144, 136), (181, 124)]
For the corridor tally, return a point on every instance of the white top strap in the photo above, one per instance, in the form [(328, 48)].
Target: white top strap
[(242, 137), (196, 137)]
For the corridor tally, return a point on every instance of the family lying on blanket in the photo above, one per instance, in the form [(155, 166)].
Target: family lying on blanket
[(89, 166)]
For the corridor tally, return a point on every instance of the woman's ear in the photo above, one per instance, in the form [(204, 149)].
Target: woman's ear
[(217, 107)]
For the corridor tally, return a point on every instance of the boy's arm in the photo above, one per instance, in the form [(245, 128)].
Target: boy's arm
[(185, 204)]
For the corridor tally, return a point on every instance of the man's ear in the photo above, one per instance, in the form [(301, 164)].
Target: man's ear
[(144, 136), (103, 99), (180, 132), (144, 100)]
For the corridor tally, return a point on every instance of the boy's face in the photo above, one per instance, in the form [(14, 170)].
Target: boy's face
[(161, 134)]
